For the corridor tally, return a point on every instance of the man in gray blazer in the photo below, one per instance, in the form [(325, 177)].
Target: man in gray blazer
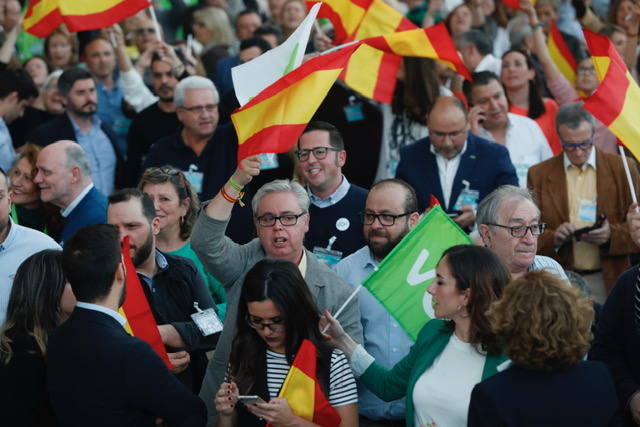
[(281, 217)]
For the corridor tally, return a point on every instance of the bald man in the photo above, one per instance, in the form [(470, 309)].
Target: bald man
[(455, 166), (64, 178)]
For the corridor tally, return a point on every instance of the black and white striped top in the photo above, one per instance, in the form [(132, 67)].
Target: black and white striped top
[(342, 384)]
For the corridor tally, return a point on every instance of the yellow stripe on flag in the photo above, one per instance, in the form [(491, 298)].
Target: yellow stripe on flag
[(39, 11), (287, 107), (601, 64), (86, 7), (380, 19), (561, 62), (350, 13), (627, 126), (364, 82), (127, 327), (299, 390), (409, 43)]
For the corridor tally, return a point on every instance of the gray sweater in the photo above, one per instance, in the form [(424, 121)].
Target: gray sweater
[(229, 263)]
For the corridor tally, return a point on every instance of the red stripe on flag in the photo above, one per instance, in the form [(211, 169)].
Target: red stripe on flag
[(387, 77), (326, 11), (263, 141), (105, 18), (513, 4), (554, 33), (611, 93), (46, 25), (405, 25)]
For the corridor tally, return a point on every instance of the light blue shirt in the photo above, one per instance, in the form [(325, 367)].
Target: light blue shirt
[(102, 157), (384, 338), (541, 262), (334, 198), (102, 309), (110, 111), (7, 152), (162, 263)]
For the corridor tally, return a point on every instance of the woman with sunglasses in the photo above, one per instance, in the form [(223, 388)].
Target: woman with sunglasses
[(276, 313)]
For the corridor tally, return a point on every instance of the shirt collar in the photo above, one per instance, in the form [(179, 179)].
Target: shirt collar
[(95, 307), (95, 122), (590, 161), (334, 198), (67, 211), (302, 265), (10, 236), (161, 262)]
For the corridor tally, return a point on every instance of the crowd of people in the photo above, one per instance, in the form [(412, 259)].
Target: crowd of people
[(123, 136)]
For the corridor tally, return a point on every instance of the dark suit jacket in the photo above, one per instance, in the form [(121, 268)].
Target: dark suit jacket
[(583, 395), (92, 209), (98, 375), (485, 164), (549, 183), (61, 128)]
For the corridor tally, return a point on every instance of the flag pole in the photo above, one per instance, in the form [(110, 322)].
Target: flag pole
[(155, 20), (341, 309), (628, 173), (333, 49)]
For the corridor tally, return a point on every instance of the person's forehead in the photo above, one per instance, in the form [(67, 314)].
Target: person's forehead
[(83, 84), (98, 46), (279, 201), (160, 66), (130, 210), (203, 94), (387, 198), (517, 210), (315, 138)]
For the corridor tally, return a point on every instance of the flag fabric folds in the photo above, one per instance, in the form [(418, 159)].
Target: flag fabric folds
[(302, 390), (345, 16), (560, 53), (136, 309), (402, 279), (274, 119), (43, 16), (616, 101)]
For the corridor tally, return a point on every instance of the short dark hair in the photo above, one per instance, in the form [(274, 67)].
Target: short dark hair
[(481, 78), (247, 12), (126, 194), (335, 138), (90, 260), (69, 77), (254, 41), (411, 199), (572, 115), (17, 81), (268, 29), (479, 39)]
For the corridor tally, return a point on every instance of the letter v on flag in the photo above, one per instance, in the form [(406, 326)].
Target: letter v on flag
[(402, 279)]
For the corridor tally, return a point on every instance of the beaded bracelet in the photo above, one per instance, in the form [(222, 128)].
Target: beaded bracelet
[(230, 199)]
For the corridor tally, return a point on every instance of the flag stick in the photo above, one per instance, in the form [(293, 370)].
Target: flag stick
[(155, 21), (333, 49), (341, 309), (626, 171)]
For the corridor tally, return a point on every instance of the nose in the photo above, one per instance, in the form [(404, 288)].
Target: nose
[(38, 178), (529, 237), (431, 289)]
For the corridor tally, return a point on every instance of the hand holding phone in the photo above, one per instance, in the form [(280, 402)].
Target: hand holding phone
[(247, 399), (581, 231)]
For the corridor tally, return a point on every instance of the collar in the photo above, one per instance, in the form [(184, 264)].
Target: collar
[(161, 262), (590, 161), (11, 235), (302, 265), (457, 156), (370, 261), (95, 122), (3, 125), (102, 309), (334, 198), (485, 61), (67, 211)]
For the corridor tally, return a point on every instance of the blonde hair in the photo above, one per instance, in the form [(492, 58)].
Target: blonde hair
[(217, 21)]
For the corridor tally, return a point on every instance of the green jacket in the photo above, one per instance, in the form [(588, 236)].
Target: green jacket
[(399, 381)]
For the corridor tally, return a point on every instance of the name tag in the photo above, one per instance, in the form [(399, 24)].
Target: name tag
[(268, 161), (195, 178), (206, 320), (328, 256), (467, 197), (587, 211)]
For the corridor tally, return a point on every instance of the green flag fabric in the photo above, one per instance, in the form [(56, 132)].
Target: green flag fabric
[(402, 279)]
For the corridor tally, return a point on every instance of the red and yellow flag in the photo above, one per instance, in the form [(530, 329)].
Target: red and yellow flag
[(43, 16), (515, 4), (274, 119), (560, 53), (136, 309), (616, 101), (302, 390), (345, 16)]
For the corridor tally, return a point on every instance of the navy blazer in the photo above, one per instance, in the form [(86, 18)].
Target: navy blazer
[(91, 210), (98, 375), (61, 128), (485, 164), (583, 395)]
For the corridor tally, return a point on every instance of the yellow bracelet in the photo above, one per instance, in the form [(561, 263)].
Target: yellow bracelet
[(234, 184)]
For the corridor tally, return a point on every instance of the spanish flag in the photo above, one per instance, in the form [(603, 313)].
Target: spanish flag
[(136, 309), (274, 119), (43, 16), (560, 53), (616, 101), (515, 4), (302, 390), (345, 16)]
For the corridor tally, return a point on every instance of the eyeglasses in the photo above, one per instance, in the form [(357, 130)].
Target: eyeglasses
[(584, 146), (319, 153), (167, 170), (586, 70), (521, 230), (440, 136), (276, 326), (199, 109), (141, 31), (288, 220), (385, 219)]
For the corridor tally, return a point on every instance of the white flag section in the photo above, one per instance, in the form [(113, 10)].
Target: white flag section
[(251, 78)]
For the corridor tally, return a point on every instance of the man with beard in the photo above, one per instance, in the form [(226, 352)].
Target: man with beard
[(391, 210), (97, 374), (155, 121), (81, 124), (172, 285)]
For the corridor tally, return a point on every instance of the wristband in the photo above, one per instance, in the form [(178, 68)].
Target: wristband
[(234, 184), (230, 199)]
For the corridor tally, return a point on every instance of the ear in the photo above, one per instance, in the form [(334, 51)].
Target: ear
[(76, 174), (485, 233), (185, 206), (155, 226), (342, 158), (306, 219), (413, 219), (120, 272)]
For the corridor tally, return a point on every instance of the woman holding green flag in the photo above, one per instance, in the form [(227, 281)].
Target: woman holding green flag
[(450, 356)]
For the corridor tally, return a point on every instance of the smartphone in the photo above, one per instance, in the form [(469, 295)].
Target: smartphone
[(579, 232), (250, 399), (454, 214)]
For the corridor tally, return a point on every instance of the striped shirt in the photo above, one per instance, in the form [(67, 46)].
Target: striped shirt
[(342, 385), (541, 262)]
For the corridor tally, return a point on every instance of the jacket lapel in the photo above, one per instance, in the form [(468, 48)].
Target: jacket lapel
[(557, 181), (432, 175), (465, 170)]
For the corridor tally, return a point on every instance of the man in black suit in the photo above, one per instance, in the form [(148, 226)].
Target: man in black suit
[(98, 375)]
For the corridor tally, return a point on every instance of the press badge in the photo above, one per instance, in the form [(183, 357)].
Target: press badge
[(522, 169), (467, 197), (353, 112), (207, 320), (587, 211), (268, 161), (194, 177), (327, 255)]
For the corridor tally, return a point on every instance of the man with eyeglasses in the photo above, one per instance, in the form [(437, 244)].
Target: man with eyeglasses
[(391, 211), (509, 224), (585, 187), (490, 118), (335, 203), (281, 218), (456, 167)]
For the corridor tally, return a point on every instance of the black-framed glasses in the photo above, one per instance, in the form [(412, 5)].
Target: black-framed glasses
[(141, 31), (586, 70), (440, 136), (288, 220), (319, 153), (199, 109), (385, 219), (521, 230), (584, 146), (276, 326)]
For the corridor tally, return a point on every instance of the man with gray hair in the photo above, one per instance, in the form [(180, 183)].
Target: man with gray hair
[(281, 218), (476, 50), (64, 178), (509, 224), (584, 196)]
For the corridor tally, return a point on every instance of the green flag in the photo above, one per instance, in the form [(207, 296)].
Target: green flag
[(401, 281)]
